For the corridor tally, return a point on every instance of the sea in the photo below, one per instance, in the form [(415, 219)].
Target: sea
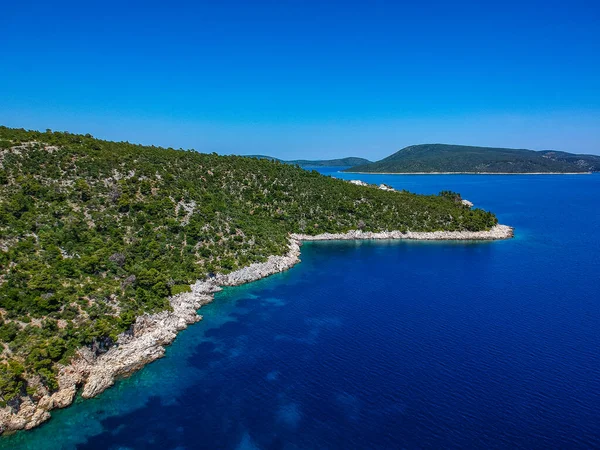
[(385, 345)]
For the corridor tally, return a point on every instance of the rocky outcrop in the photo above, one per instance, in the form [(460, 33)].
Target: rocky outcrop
[(150, 334)]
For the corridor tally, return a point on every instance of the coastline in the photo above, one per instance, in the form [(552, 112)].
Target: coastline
[(469, 173), (498, 232), (146, 342)]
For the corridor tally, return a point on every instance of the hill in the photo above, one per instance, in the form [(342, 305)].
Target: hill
[(466, 159), (94, 234), (342, 162)]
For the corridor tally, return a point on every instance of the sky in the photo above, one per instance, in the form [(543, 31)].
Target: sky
[(306, 79)]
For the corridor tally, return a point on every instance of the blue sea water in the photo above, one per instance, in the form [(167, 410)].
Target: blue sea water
[(386, 344)]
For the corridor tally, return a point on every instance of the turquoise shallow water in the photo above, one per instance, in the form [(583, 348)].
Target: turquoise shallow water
[(386, 344)]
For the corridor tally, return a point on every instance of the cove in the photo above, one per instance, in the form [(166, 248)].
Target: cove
[(386, 344)]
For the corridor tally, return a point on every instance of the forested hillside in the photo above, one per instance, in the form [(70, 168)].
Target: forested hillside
[(341, 162), (462, 158), (94, 233)]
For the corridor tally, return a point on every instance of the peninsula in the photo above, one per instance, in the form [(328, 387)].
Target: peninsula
[(108, 249), (443, 158)]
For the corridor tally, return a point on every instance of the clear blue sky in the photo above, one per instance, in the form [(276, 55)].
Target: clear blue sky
[(312, 79)]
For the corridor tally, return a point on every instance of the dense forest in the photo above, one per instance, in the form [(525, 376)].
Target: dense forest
[(94, 233), (462, 158)]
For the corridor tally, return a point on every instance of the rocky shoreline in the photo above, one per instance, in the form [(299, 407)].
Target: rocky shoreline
[(92, 374), (496, 233)]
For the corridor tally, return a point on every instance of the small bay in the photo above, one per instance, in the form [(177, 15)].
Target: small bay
[(385, 344)]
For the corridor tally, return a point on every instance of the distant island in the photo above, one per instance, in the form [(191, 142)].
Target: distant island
[(341, 162), (444, 158), (108, 249)]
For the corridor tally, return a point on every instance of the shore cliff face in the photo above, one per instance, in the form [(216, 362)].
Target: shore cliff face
[(146, 341)]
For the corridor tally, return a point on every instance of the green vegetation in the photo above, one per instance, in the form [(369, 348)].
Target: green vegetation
[(460, 158), (342, 162), (94, 233)]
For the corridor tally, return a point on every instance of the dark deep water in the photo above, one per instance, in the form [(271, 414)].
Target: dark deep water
[(386, 344)]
